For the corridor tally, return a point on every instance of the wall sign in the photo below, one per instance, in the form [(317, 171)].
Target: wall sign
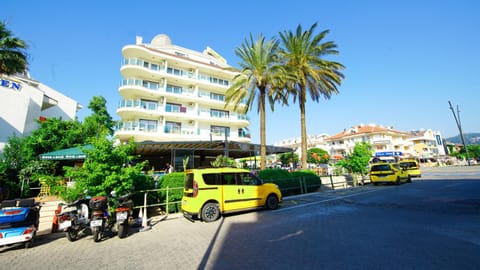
[(10, 84)]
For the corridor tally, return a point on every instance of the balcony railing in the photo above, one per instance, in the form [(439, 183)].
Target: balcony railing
[(175, 71)]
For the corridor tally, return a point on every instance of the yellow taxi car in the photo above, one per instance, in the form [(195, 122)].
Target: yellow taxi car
[(209, 193), (411, 165), (387, 172)]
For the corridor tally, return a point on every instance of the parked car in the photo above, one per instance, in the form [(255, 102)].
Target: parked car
[(388, 173), (209, 193), (411, 165)]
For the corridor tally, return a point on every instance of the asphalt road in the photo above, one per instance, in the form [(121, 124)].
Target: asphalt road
[(432, 223)]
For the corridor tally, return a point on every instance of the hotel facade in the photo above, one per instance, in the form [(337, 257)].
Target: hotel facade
[(23, 101), (170, 93)]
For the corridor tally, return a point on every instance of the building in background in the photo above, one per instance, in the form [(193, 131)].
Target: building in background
[(23, 101), (387, 143), (170, 93)]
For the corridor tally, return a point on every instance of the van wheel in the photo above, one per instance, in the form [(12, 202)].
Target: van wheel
[(398, 181), (272, 202), (210, 212)]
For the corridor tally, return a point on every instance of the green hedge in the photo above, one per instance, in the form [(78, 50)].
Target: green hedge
[(290, 182), (172, 180)]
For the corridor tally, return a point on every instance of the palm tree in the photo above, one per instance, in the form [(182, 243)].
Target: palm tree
[(259, 74), (13, 58), (302, 54)]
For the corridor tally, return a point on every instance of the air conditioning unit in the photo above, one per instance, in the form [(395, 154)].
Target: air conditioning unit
[(160, 118), (161, 99)]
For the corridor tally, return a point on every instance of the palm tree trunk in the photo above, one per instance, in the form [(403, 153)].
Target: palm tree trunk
[(303, 134), (263, 139)]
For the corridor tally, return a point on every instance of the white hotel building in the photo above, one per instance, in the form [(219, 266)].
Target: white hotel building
[(23, 101), (170, 93)]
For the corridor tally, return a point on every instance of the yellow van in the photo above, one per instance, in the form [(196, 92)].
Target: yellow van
[(208, 193), (411, 165), (387, 172)]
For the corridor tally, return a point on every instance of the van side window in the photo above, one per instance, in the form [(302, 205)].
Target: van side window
[(249, 179), (211, 179), (228, 179)]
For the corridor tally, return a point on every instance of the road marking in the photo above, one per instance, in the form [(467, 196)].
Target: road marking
[(327, 200)]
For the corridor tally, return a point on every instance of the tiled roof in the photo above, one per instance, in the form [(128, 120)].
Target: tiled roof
[(363, 129)]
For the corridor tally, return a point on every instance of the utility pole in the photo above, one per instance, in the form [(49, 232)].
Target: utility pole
[(459, 125)]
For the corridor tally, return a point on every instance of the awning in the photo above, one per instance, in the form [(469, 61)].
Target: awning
[(74, 153)]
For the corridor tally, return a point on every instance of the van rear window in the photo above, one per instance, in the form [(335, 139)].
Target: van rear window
[(410, 164), (189, 181), (377, 168)]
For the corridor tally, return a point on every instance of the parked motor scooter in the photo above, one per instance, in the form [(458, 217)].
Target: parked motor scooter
[(100, 216), (124, 215), (74, 218)]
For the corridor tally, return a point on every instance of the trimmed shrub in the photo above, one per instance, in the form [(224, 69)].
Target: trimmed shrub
[(172, 180), (290, 182)]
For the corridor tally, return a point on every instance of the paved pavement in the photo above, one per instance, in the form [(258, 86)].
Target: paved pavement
[(172, 242)]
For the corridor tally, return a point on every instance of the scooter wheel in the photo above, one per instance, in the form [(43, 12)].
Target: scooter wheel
[(72, 235), (96, 236), (122, 230)]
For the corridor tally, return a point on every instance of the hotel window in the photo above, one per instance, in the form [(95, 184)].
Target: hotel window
[(148, 125), (218, 114), (171, 107), (173, 127), (149, 104), (151, 85), (220, 131), (180, 54), (216, 96), (174, 71), (174, 89), (175, 108)]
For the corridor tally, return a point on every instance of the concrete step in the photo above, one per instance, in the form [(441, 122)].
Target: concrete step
[(47, 212)]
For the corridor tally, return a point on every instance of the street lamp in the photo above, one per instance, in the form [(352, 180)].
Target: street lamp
[(459, 125)]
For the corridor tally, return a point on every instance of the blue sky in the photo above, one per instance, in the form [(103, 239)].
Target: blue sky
[(404, 59)]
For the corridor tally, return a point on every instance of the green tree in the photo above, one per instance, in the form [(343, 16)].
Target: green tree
[(317, 156), (258, 81), (286, 159), (358, 160), (100, 120), (107, 168), (474, 150), (303, 53), (222, 161), (13, 56), (12, 162), (54, 134)]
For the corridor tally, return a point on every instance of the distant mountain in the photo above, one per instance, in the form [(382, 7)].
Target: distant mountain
[(470, 138)]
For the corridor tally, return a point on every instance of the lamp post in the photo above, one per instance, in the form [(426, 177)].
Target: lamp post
[(459, 125)]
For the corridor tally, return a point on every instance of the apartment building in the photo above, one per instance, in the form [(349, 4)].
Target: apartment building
[(387, 142), (24, 101), (171, 93)]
